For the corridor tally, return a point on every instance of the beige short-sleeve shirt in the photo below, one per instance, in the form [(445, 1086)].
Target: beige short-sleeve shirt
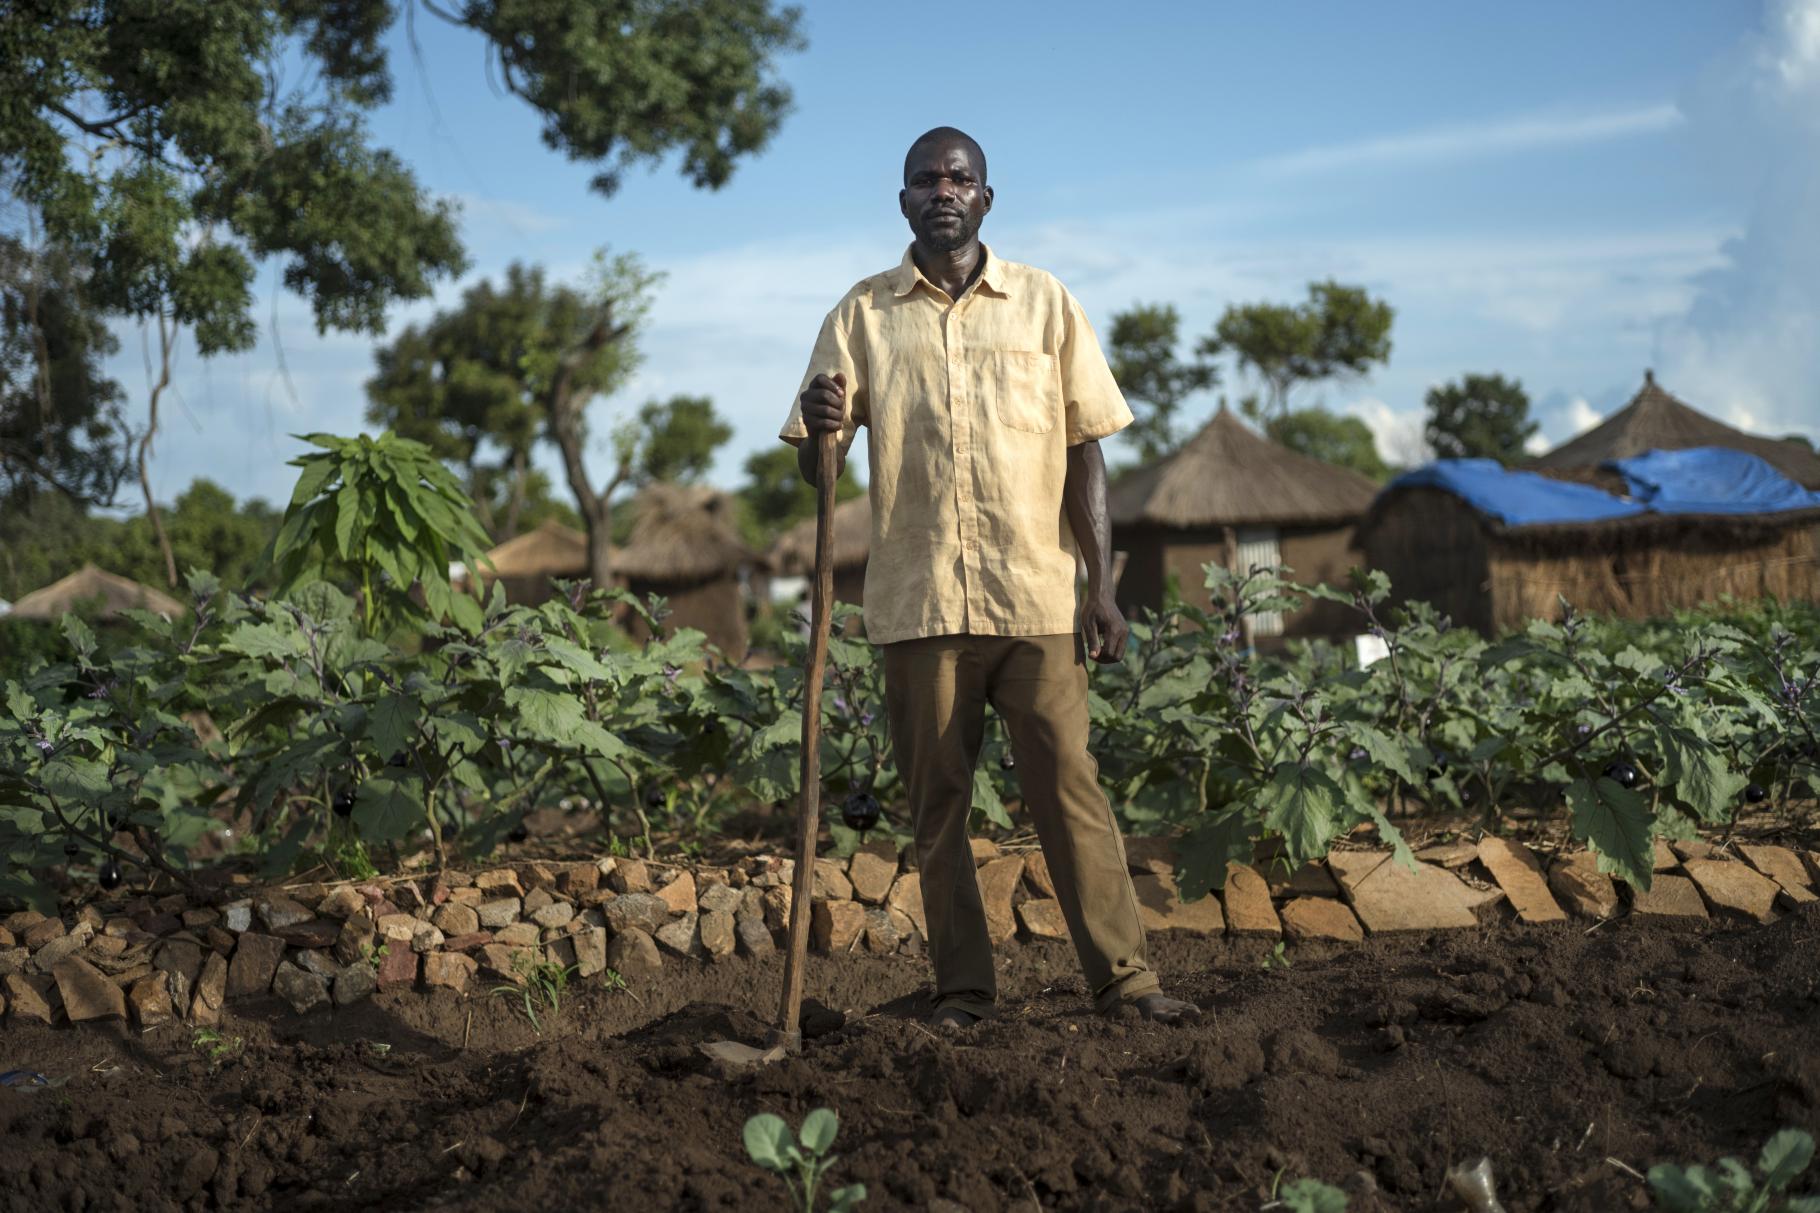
[(970, 406)]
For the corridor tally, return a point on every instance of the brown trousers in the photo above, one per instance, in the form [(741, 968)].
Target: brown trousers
[(936, 691)]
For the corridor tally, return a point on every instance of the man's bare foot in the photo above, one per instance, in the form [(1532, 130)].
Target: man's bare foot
[(1160, 1008), (952, 1019)]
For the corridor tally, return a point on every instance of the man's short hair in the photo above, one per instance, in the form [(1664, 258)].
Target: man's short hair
[(948, 134)]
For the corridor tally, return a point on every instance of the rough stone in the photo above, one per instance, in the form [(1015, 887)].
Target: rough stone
[(716, 929), (1784, 867), (1669, 897), (680, 936), (1518, 872), (86, 991), (1486, 903), (1161, 908), (277, 911), (630, 876), (1734, 888), (538, 874), (1389, 897), (1320, 918), (1042, 918), (150, 1000), (341, 904), (778, 901), (633, 955), (882, 933), (1582, 888), (1312, 879), (219, 940), (51, 954), (835, 926), (303, 990), (254, 965), (503, 961), (498, 913), (1151, 855), (1664, 859), (679, 894), (355, 982), (453, 918), (193, 920), (636, 911), (500, 882), (355, 938), (1037, 877), (719, 898), (426, 939), (398, 967), (211, 990), (468, 895), (19, 921), (907, 898), (830, 882), (449, 970), (29, 997), (396, 928), (535, 900), (42, 932), (519, 934), (590, 951), (754, 937), (468, 942), (1693, 848), (237, 916), (14, 960), (320, 963), (556, 914), (984, 850), (998, 881), (1247, 903), (871, 876), (578, 878), (311, 933), (1455, 854)]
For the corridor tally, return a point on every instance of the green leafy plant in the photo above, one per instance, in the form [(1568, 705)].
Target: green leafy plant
[(216, 1047), (1308, 1196), (1730, 1187), (1276, 958), (544, 983), (771, 1145)]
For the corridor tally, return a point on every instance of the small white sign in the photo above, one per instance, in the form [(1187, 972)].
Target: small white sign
[(1370, 648)]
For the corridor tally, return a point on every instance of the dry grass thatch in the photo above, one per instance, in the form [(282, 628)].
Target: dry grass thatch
[(550, 550), (88, 584), (1656, 420), (1228, 475), (681, 533), (794, 552)]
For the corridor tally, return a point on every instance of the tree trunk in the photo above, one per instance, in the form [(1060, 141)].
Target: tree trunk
[(521, 478), (145, 446), (565, 406)]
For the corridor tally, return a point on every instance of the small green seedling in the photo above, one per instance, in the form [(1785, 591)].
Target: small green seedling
[(544, 983), (771, 1145), (1276, 958), (213, 1045), (374, 955), (1729, 1187), (1308, 1196)]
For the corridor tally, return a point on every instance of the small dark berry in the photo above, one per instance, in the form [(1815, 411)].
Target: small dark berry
[(519, 833), (72, 849), (1007, 761), (344, 803), (108, 874), (654, 797), (860, 811), (401, 759), (1754, 793), (1622, 774), (449, 831)]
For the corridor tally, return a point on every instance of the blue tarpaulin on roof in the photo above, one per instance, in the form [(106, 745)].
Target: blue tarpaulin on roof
[(1711, 480), (1699, 480), (1517, 498)]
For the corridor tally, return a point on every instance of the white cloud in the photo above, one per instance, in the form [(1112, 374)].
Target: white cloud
[(1489, 138), (517, 218), (1536, 443), (1397, 433), (1581, 416)]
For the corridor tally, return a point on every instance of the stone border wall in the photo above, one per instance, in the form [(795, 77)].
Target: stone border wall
[(321, 946)]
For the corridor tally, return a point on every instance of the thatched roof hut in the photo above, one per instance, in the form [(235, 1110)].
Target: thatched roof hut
[(1232, 497), (685, 546), (1654, 420), (1494, 572), (793, 555), (525, 564), (90, 584)]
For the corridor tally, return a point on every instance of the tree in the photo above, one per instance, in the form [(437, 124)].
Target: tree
[(1480, 417), (1142, 348), (60, 423), (775, 496), (172, 145), (1345, 441), (1339, 330), (674, 441)]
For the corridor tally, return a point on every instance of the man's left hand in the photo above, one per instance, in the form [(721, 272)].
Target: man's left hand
[(1103, 629)]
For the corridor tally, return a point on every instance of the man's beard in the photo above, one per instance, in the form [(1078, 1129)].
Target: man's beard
[(948, 239)]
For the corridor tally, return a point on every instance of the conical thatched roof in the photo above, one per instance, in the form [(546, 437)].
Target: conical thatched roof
[(89, 583), (551, 549), (681, 533), (794, 552), (1657, 421), (1227, 475)]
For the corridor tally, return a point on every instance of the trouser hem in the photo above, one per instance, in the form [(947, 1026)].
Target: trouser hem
[(973, 1006), (1135, 986)]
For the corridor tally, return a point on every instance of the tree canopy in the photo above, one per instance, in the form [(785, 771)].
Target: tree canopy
[(1141, 349), (1480, 417), (775, 496), (1344, 441), (1338, 331)]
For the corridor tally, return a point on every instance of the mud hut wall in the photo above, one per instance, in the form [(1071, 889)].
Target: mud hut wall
[(712, 607), (1141, 583), (1155, 554), (1321, 556), (1639, 572), (1434, 550)]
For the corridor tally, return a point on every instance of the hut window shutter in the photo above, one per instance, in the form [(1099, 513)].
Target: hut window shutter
[(1258, 549)]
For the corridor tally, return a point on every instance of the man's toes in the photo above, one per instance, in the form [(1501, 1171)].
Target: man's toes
[(1160, 1008), (952, 1019)]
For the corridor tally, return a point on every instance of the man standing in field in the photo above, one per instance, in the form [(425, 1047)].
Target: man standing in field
[(985, 394)]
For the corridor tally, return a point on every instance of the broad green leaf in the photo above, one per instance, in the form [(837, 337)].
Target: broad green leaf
[(1614, 822), (986, 798), (347, 517), (1785, 1156), (1300, 803), (266, 640), (1203, 854), (1393, 756), (391, 723), (318, 470), (1312, 1196), (1699, 776), (577, 659), (386, 809), (75, 779), (845, 1200), (819, 1128), (1681, 1191), (767, 1140)]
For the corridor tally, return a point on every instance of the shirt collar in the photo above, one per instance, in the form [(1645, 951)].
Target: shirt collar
[(906, 275)]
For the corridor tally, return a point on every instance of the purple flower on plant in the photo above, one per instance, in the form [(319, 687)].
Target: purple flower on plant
[(45, 746), (865, 719), (840, 704), (671, 671)]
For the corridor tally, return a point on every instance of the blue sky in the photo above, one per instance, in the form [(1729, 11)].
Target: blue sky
[(1561, 192)]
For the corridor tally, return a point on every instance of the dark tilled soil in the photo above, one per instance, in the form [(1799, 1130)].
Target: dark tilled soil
[(1568, 1058)]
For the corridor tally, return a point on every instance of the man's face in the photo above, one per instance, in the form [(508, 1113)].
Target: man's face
[(944, 197)]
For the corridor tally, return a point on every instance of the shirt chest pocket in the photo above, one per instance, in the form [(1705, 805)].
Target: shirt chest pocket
[(1022, 389)]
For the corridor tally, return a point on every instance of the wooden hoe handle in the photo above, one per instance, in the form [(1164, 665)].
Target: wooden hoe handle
[(808, 814)]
